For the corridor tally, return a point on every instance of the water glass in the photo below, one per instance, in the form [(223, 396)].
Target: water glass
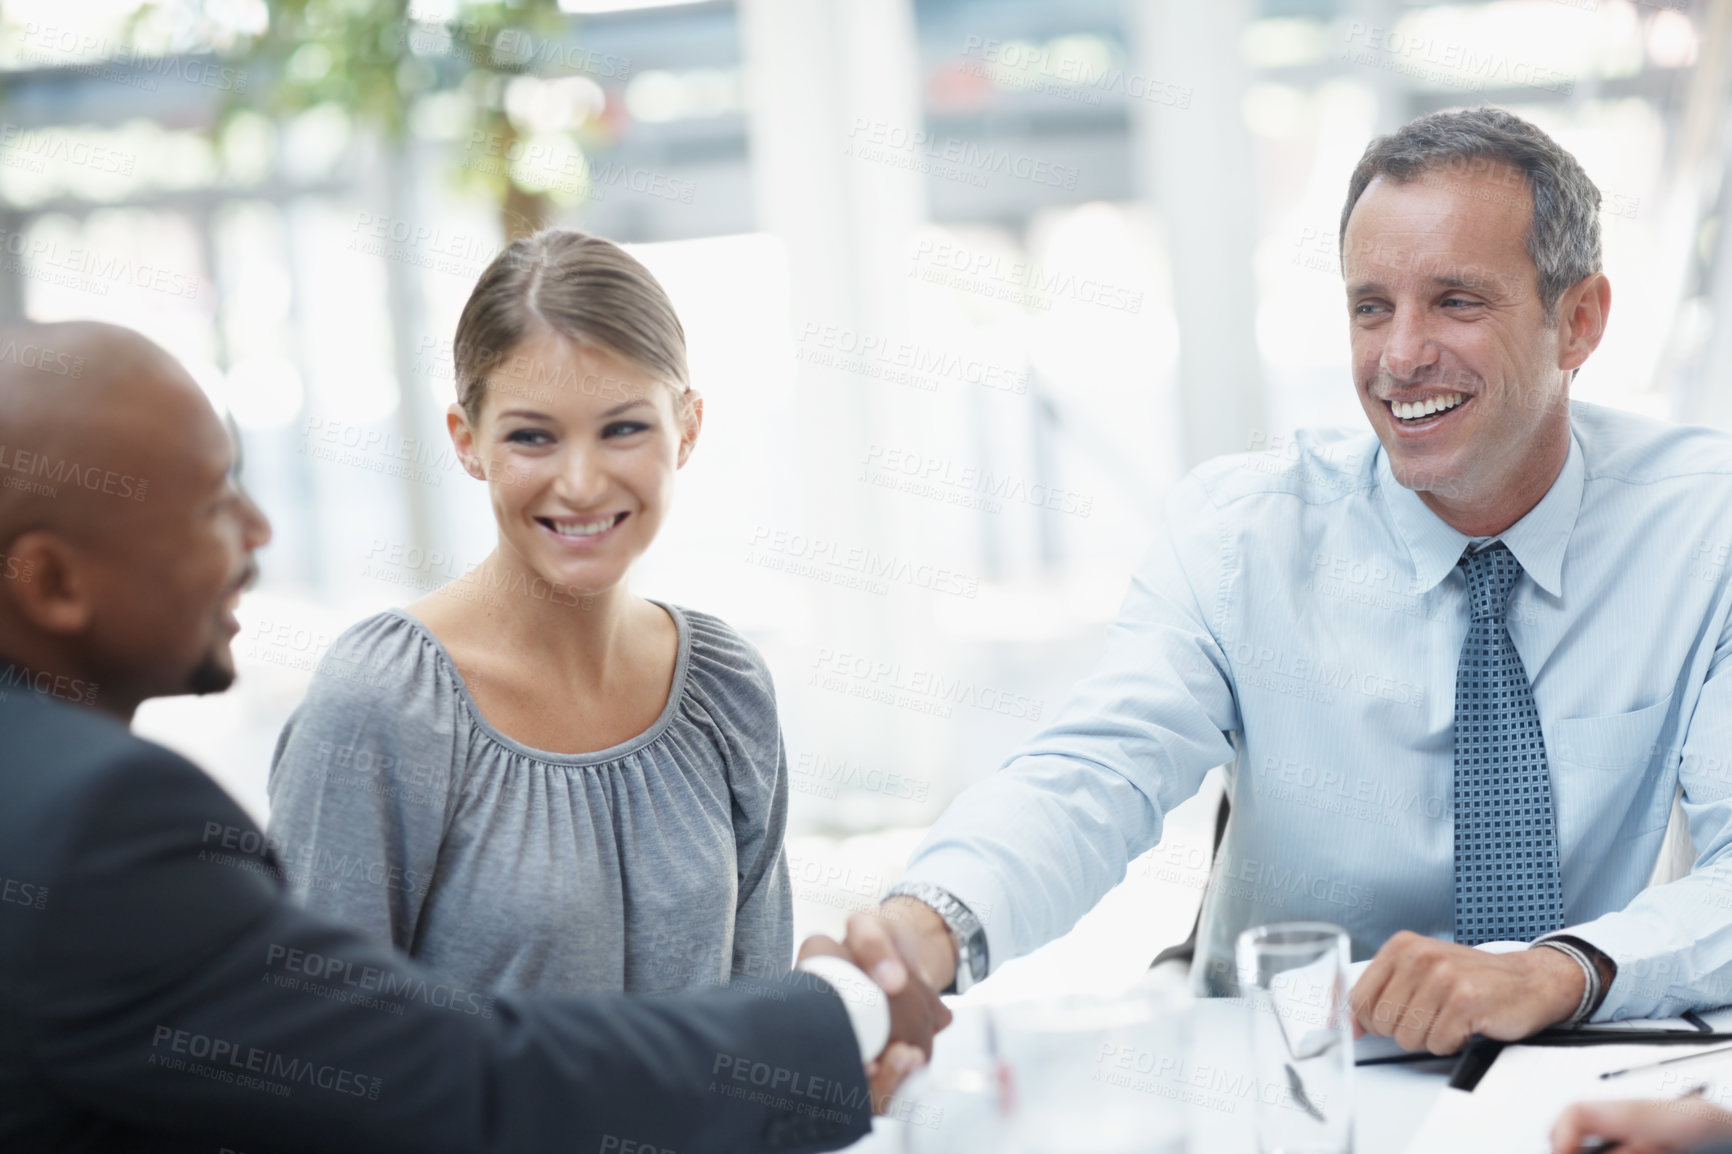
[(1095, 1074), (951, 1111), (1293, 975)]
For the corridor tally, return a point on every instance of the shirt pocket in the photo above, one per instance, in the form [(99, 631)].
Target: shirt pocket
[(1615, 741), (1610, 776)]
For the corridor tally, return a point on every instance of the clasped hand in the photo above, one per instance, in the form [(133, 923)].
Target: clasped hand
[(916, 1013)]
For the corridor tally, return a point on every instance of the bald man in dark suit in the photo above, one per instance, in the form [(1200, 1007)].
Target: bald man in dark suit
[(157, 989)]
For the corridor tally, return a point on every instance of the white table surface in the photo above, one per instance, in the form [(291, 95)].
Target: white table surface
[(1390, 1100)]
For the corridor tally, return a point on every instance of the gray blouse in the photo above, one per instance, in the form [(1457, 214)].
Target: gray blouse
[(651, 866)]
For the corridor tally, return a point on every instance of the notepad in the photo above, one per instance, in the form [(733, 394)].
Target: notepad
[(1513, 1107)]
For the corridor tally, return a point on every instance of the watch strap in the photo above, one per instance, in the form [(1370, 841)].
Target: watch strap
[(966, 931)]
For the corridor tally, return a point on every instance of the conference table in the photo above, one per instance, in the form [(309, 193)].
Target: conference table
[(1390, 1100)]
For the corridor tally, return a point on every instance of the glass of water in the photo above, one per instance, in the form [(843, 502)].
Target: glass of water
[(1095, 1074), (1293, 975)]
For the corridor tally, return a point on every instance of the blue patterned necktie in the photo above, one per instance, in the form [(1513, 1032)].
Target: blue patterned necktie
[(1507, 884)]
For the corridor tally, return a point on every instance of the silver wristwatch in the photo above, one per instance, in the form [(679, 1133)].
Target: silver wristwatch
[(965, 930)]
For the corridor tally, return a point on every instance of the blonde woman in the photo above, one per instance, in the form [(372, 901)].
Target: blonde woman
[(534, 779)]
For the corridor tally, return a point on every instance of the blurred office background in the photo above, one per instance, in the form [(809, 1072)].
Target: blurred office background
[(968, 284)]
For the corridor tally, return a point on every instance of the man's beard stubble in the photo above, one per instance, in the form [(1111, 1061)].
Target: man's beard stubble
[(209, 676)]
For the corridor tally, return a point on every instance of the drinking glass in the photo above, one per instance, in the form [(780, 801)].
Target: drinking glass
[(1293, 975), (950, 1111), (1095, 1074)]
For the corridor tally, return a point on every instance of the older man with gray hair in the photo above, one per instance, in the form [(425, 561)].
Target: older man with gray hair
[(1457, 668)]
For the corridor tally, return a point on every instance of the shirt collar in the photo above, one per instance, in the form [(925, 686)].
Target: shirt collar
[(1538, 540)]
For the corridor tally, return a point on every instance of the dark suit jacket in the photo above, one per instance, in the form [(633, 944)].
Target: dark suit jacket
[(158, 992)]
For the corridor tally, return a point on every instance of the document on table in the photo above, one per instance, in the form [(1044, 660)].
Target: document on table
[(1515, 1104)]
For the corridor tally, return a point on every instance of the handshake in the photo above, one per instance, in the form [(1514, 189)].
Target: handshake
[(905, 947)]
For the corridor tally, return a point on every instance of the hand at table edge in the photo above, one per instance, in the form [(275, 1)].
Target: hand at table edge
[(1434, 995)]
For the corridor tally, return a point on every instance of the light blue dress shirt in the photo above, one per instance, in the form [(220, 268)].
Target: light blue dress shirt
[(1299, 619)]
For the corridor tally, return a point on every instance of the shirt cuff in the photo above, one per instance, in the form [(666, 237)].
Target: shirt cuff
[(868, 1008)]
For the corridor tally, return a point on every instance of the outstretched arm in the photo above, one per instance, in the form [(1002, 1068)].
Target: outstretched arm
[(172, 989)]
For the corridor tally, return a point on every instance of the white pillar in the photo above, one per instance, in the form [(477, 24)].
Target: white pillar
[(1195, 165), (818, 70)]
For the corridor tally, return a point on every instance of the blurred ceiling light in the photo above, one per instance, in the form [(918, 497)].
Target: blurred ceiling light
[(1276, 111), (1282, 43), (599, 7), (1078, 59), (314, 141), (248, 144), (433, 11), (712, 91), (1532, 44), (541, 106), (655, 96), (1671, 40), (243, 17), (310, 63), (1009, 61)]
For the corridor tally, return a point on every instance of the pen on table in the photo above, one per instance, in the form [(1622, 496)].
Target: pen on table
[(1665, 1062), (1602, 1146)]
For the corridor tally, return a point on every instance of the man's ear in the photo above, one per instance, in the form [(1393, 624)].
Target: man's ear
[(48, 582), (1582, 317)]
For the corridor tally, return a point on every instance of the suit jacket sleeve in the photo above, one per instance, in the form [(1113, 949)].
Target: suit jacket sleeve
[(171, 988)]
